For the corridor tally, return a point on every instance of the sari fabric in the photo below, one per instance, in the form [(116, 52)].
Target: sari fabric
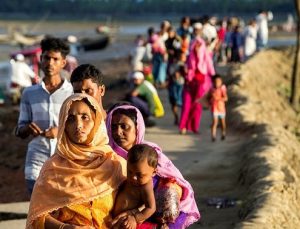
[(77, 174), (199, 61), (165, 169), (197, 84)]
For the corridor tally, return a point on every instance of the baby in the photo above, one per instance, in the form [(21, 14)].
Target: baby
[(135, 201)]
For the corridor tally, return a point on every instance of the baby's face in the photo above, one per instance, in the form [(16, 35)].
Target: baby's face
[(139, 173)]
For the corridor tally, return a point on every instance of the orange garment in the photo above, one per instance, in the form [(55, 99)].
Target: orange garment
[(95, 213), (185, 44), (78, 174)]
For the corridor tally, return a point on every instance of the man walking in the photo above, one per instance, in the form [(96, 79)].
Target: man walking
[(40, 106)]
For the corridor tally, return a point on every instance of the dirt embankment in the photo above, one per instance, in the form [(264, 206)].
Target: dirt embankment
[(270, 168)]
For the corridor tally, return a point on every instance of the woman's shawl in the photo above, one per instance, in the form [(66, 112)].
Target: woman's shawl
[(201, 60), (165, 169), (76, 173)]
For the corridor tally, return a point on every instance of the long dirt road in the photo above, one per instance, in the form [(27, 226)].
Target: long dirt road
[(211, 167)]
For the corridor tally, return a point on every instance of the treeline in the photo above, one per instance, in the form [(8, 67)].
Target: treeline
[(139, 7)]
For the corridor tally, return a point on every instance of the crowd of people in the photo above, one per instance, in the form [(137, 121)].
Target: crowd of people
[(76, 170), (182, 60), (91, 168)]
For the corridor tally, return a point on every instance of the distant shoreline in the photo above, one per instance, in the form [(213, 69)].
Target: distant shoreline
[(279, 17)]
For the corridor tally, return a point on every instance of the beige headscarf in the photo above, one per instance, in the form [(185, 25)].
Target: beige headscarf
[(77, 173)]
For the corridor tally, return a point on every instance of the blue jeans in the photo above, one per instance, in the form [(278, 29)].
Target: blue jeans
[(30, 185), (159, 69)]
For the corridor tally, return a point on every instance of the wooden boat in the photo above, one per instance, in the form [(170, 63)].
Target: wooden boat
[(18, 38), (95, 43)]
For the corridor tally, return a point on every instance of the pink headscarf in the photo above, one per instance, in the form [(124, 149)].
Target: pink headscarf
[(165, 169), (201, 60)]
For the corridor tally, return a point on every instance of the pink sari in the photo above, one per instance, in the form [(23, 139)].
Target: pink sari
[(198, 83), (166, 169)]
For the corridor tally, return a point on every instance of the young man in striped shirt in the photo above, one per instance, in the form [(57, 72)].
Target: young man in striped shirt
[(40, 106)]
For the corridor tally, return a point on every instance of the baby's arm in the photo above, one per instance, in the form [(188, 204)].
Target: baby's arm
[(130, 218), (149, 203)]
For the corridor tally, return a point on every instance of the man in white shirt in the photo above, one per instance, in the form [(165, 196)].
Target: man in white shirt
[(209, 31), (250, 35), (262, 28), (22, 74)]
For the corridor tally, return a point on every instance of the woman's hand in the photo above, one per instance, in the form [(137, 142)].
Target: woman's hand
[(120, 217), (124, 220), (130, 222)]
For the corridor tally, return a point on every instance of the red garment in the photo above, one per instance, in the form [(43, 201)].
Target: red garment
[(217, 100), (146, 225), (198, 76), (191, 111), (221, 34), (198, 82)]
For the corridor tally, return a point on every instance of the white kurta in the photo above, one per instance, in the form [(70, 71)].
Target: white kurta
[(250, 40), (22, 74)]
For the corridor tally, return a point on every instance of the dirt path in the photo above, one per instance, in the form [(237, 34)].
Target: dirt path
[(211, 167)]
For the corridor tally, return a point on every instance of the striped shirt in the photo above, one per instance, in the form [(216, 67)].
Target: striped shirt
[(39, 106)]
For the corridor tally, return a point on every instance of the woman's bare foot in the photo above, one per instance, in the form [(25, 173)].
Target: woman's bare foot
[(182, 131)]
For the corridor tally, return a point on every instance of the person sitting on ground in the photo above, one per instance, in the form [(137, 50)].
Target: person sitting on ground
[(78, 184), (145, 96), (126, 128), (87, 79), (137, 190), (218, 97)]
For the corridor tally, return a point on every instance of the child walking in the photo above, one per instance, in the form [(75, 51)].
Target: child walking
[(137, 191), (218, 97), (176, 73)]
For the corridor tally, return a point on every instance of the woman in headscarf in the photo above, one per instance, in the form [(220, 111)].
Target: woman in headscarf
[(125, 126), (77, 185), (197, 82)]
